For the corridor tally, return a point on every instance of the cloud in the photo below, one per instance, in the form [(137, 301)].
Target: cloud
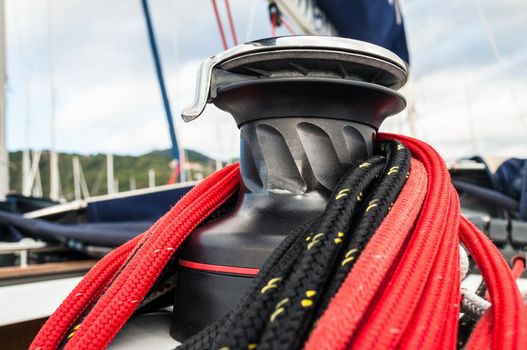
[(466, 101), (107, 96), (108, 99)]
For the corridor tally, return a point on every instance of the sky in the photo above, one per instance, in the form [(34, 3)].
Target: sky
[(468, 80)]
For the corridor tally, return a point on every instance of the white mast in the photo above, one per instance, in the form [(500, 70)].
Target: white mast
[(151, 178), (79, 181), (76, 178), (80, 186), (4, 157), (54, 180), (110, 182), (33, 174), (37, 189), (26, 166)]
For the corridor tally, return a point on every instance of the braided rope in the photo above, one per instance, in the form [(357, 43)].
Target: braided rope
[(362, 275), (341, 318), (305, 257), (252, 320), (319, 270), (115, 275), (386, 192)]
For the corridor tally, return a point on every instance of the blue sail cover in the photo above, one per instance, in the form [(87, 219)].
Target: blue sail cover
[(376, 21)]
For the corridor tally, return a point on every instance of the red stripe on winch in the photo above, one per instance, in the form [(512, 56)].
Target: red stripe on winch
[(219, 268)]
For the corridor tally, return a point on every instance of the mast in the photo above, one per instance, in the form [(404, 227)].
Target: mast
[(151, 178), (79, 181), (159, 71), (110, 181), (26, 166), (4, 157), (54, 180), (76, 178), (31, 179)]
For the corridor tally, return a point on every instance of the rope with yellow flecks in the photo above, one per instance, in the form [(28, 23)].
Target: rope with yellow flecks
[(290, 290)]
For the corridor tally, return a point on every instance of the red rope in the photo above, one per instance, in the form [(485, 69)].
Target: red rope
[(342, 318), (120, 281), (175, 173), (397, 306), (231, 23), (407, 294), (404, 287), (518, 266), (507, 324), (220, 25), (55, 328), (273, 24)]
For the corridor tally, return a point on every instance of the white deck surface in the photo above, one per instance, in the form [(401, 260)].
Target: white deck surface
[(146, 332), (30, 301)]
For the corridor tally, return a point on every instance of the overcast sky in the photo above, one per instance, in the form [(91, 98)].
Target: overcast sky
[(468, 98)]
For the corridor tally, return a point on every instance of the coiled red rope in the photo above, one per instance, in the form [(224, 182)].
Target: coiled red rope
[(413, 301), (121, 280), (404, 286)]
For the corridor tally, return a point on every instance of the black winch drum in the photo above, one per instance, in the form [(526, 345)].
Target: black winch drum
[(308, 108)]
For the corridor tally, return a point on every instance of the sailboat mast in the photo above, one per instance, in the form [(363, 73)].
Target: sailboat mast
[(110, 180), (4, 157), (54, 185), (176, 152)]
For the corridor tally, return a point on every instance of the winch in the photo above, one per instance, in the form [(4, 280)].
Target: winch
[(345, 259), (308, 108)]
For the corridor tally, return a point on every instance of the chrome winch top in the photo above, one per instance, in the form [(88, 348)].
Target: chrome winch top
[(381, 66)]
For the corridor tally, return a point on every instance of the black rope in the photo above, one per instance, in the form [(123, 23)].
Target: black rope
[(280, 256), (382, 198), (304, 272), (310, 293)]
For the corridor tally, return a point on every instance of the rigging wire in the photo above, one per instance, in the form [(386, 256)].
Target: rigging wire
[(231, 23), (23, 63), (274, 17), (501, 63), (288, 27), (277, 19), (273, 24), (250, 22), (220, 25)]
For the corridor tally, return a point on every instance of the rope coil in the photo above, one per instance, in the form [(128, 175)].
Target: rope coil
[(378, 269)]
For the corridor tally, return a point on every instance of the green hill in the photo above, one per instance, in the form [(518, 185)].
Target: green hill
[(125, 168)]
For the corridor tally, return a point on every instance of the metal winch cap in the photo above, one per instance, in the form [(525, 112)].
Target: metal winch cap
[(302, 76)]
